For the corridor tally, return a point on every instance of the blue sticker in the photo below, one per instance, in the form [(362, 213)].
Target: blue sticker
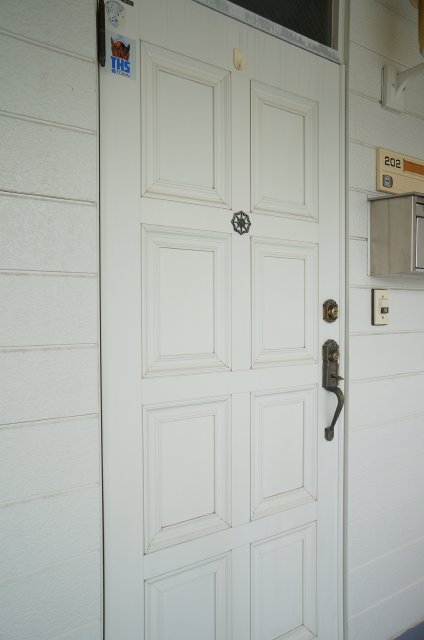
[(121, 59)]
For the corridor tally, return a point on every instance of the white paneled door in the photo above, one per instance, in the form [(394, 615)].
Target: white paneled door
[(222, 496)]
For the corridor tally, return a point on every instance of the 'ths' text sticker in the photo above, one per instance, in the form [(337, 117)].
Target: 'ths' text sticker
[(121, 57)]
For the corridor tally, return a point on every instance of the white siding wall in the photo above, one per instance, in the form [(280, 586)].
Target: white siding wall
[(386, 414), (50, 542)]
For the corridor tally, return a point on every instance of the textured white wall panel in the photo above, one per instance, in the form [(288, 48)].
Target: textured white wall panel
[(52, 86), (38, 310), (47, 235), (49, 531), (43, 604), (389, 616), (380, 533), (48, 383), (92, 631), (378, 28), (376, 492), (358, 213), (370, 124), (47, 160), (65, 25), (385, 583), (50, 456), (387, 574), (361, 166), (386, 444), (392, 354), (50, 493), (372, 401)]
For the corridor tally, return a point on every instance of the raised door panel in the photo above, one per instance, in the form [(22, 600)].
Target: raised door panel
[(185, 129), (284, 450), (285, 295), (186, 301), (284, 586), (191, 603), (284, 141), (187, 471)]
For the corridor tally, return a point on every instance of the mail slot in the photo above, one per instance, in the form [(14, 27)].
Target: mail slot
[(397, 235)]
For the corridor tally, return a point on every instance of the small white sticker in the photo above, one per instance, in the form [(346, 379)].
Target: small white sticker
[(115, 12), (121, 58)]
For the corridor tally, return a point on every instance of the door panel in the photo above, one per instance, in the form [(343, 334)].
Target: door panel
[(284, 450), (185, 128), (221, 492), (182, 442), (284, 153)]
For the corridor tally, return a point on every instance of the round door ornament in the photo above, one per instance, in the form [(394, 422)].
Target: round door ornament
[(241, 222)]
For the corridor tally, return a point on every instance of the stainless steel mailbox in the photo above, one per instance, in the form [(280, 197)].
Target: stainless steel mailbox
[(397, 235)]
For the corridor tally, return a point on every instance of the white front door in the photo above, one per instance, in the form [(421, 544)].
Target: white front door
[(222, 496)]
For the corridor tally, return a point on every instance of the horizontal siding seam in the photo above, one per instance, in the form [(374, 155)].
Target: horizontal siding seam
[(47, 347), (43, 198), (376, 425), (47, 123), (386, 599), (365, 96), (378, 514), (397, 13), (379, 53), (393, 466), (361, 143), (41, 422), (356, 237), (73, 630), (396, 287), (44, 45), (364, 191), (389, 332), (7, 504), (392, 376), (50, 565), (49, 274), (386, 555)]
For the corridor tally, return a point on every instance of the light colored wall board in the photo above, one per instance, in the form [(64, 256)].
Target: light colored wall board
[(49, 530), (52, 86), (377, 401), (38, 310), (52, 601), (48, 383), (389, 618), (47, 235), (378, 28), (50, 456), (65, 25), (47, 160), (379, 534)]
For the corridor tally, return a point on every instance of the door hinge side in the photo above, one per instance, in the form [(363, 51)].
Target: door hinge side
[(101, 34)]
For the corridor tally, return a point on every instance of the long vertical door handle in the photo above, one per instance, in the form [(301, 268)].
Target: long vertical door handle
[(329, 431), (330, 380)]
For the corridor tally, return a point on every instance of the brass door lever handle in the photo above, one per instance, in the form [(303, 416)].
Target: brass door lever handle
[(329, 431)]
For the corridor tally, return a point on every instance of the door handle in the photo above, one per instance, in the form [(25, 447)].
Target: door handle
[(330, 380)]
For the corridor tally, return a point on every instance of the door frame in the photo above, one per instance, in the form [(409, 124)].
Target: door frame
[(122, 610)]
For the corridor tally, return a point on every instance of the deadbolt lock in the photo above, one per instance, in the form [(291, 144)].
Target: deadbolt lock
[(330, 310)]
